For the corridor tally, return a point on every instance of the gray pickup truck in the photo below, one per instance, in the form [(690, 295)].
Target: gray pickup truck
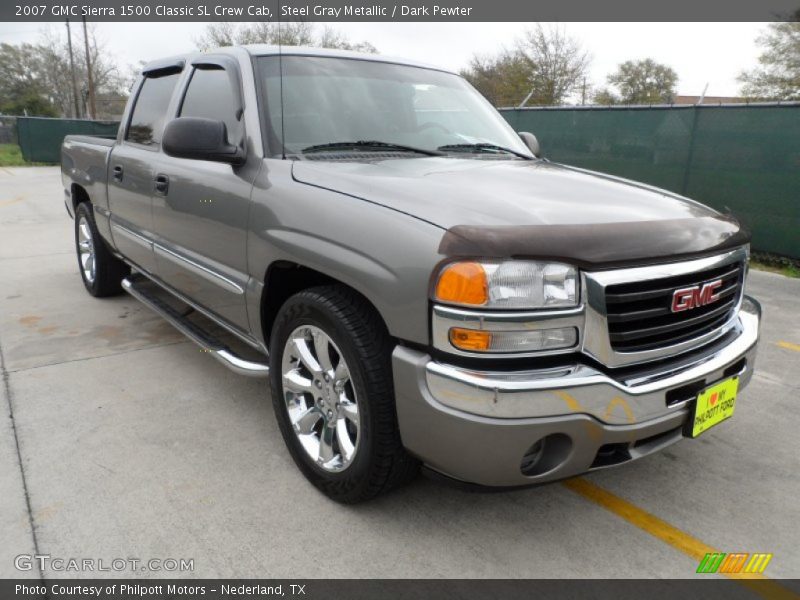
[(420, 287)]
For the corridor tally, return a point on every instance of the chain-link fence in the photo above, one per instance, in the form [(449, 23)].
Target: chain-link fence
[(8, 130), (739, 158)]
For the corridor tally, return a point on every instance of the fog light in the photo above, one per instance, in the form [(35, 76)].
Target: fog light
[(513, 341), (532, 456), (546, 454)]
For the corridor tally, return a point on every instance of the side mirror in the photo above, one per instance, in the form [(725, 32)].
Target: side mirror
[(531, 142), (200, 139)]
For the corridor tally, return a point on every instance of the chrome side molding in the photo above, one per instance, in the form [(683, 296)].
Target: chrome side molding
[(214, 347), (202, 271), (131, 235)]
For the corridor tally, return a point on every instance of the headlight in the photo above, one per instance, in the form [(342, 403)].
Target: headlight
[(515, 284)]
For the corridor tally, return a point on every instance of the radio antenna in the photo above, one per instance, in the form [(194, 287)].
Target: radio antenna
[(280, 76)]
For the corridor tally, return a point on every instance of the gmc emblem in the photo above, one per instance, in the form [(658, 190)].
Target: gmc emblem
[(695, 296)]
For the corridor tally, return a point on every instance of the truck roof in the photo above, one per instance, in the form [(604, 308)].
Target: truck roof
[(272, 50)]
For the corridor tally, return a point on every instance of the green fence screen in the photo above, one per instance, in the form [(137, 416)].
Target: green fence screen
[(739, 159), (40, 138)]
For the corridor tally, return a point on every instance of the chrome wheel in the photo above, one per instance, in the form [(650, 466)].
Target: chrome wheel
[(86, 250), (320, 398)]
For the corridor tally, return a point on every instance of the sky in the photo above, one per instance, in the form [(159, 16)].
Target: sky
[(701, 53)]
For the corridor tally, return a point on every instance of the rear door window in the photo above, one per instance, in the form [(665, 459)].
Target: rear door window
[(150, 110)]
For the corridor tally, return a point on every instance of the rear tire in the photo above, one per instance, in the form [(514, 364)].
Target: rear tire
[(350, 360), (102, 272)]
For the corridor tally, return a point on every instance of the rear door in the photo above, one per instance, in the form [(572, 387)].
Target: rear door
[(200, 208), (131, 166)]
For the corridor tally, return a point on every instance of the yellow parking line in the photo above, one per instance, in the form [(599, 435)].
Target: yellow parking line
[(789, 346), (680, 540)]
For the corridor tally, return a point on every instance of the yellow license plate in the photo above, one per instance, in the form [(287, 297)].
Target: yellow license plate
[(714, 405)]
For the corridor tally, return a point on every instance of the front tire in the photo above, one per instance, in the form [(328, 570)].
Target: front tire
[(332, 389), (102, 272)]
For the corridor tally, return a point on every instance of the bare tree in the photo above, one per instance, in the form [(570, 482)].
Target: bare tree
[(53, 66), (217, 35), (777, 76), (333, 38), (556, 62), (545, 67), (299, 33), (230, 34)]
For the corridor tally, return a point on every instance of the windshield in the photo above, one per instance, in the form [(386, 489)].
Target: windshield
[(331, 101)]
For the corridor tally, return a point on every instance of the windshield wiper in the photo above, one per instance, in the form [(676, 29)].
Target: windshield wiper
[(369, 145), (480, 146)]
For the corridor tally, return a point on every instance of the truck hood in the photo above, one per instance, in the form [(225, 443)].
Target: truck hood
[(511, 208)]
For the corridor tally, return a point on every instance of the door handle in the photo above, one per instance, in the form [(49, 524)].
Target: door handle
[(162, 184), (117, 173)]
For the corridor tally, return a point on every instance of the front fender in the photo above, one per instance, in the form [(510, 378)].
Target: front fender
[(385, 255)]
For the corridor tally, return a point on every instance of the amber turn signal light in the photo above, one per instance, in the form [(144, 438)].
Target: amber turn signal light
[(463, 283), (470, 339)]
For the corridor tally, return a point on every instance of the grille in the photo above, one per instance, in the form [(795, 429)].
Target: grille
[(640, 314)]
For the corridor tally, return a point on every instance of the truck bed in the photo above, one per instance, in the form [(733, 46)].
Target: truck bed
[(84, 161)]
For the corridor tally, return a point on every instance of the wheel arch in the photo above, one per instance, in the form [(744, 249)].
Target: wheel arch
[(78, 195), (285, 278)]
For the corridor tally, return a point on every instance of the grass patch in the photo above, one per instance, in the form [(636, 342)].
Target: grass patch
[(11, 156), (782, 265), (790, 271)]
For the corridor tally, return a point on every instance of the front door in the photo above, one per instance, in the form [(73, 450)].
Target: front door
[(200, 208)]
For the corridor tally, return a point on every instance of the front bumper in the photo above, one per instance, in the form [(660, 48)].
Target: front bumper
[(476, 426)]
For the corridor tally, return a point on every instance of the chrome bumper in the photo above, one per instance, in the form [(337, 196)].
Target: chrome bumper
[(476, 425)]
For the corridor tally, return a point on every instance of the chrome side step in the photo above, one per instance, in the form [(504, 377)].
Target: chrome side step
[(213, 346)]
